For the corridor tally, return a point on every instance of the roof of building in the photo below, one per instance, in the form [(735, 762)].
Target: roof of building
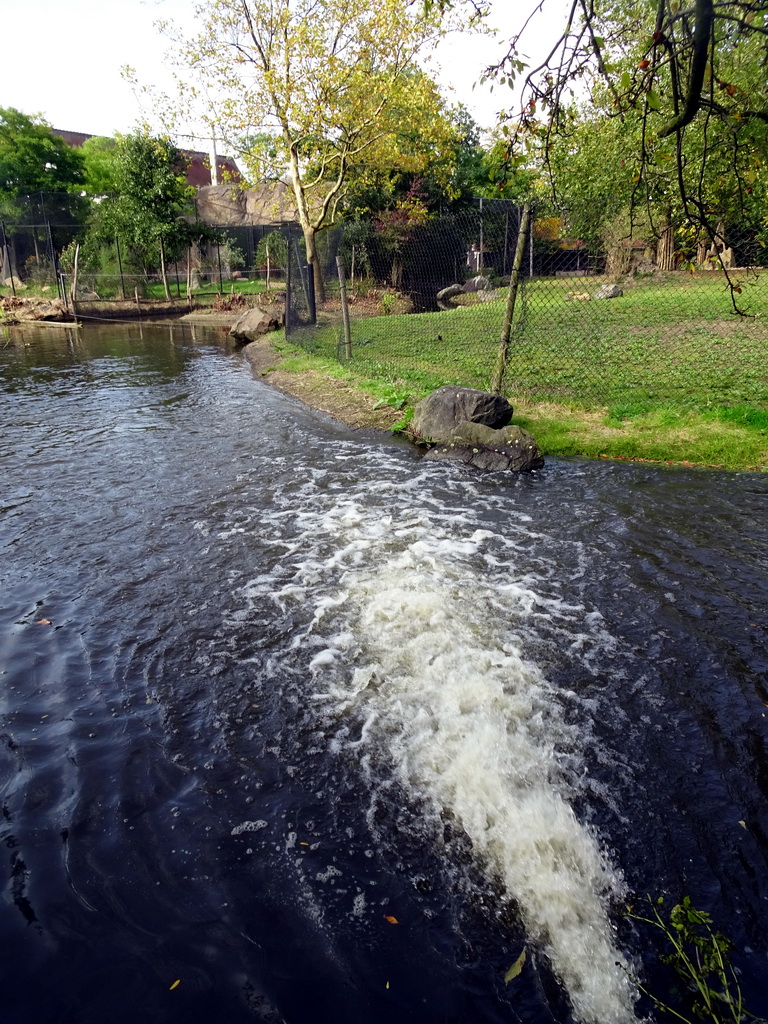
[(198, 172)]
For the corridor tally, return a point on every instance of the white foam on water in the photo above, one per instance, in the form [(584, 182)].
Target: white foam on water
[(416, 660)]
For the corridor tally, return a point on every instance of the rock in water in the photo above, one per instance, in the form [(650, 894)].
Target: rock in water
[(436, 417), (510, 448)]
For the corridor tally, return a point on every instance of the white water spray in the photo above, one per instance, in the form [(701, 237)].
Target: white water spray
[(420, 662)]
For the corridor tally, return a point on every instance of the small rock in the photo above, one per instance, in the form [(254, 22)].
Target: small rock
[(609, 291)]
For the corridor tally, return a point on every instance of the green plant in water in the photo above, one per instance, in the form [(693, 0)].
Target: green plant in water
[(700, 956)]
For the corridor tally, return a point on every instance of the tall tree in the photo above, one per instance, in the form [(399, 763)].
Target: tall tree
[(39, 174), (335, 80), (151, 195)]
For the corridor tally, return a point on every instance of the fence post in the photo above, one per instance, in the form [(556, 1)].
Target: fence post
[(288, 283), (311, 294), (344, 306), (8, 267), (509, 311), (120, 268)]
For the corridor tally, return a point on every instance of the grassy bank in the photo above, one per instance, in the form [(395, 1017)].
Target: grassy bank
[(667, 373), (728, 436)]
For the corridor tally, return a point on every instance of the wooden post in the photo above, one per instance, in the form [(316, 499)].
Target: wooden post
[(344, 306), (73, 287), (136, 295), (509, 311)]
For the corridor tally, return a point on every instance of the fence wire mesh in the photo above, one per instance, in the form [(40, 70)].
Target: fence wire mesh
[(427, 303), (427, 296)]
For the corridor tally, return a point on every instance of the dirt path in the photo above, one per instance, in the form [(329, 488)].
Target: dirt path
[(334, 397)]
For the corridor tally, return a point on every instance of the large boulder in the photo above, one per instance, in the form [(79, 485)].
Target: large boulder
[(436, 417), (510, 448), (256, 322)]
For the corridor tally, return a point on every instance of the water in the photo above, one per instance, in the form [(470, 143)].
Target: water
[(323, 733)]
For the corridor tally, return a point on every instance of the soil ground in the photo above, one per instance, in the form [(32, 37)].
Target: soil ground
[(331, 396)]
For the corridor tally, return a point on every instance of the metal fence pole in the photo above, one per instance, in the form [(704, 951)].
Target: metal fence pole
[(311, 293), (120, 268), (7, 266), (344, 306), (288, 283)]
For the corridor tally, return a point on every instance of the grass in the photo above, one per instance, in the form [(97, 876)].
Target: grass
[(666, 373)]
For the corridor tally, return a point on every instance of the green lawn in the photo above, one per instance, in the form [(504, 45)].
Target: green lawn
[(668, 372), (677, 340)]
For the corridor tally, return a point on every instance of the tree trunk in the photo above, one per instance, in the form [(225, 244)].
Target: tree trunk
[(308, 228), (665, 247), (163, 272)]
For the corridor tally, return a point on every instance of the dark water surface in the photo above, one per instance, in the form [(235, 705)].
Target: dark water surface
[(269, 686)]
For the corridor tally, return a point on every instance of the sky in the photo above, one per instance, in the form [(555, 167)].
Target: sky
[(63, 58)]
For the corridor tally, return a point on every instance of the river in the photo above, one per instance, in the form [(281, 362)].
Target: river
[(296, 728)]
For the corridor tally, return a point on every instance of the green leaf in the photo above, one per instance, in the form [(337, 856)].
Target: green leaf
[(653, 100), (516, 968), (626, 81)]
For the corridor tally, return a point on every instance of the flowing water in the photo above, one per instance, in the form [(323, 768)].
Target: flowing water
[(323, 733)]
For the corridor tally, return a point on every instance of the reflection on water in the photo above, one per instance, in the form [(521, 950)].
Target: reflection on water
[(323, 733)]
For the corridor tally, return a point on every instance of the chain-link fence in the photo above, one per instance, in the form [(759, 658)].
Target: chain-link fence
[(427, 303), (40, 258)]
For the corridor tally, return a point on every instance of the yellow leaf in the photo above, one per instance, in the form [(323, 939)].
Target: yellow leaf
[(173, 986), (516, 968), (743, 824), (392, 920)]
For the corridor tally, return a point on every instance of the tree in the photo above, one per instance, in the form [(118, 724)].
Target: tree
[(100, 157), (336, 81), (36, 169), (146, 210)]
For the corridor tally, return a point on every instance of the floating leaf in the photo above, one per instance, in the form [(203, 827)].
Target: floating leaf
[(743, 824), (392, 920), (44, 622), (175, 984), (516, 968)]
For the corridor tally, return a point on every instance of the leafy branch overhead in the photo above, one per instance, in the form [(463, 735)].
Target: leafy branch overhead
[(681, 54), (668, 97)]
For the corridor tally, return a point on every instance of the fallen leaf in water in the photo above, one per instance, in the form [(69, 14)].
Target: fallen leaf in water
[(44, 622), (303, 844), (387, 985), (173, 986), (516, 968), (743, 824), (392, 920)]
